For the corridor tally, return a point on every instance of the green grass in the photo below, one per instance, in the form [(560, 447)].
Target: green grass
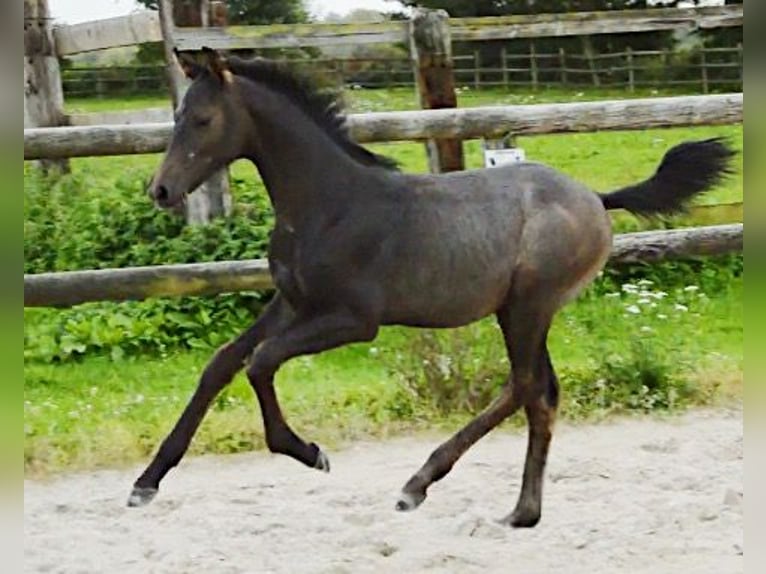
[(102, 413), (399, 98), (97, 412)]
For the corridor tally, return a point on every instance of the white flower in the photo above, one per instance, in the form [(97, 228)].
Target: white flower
[(611, 295), (633, 309), (443, 363), (642, 301), (629, 288), (659, 294), (645, 282), (680, 307), (662, 316), (646, 329), (691, 288)]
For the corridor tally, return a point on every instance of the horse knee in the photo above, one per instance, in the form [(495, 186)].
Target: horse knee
[(261, 367), (220, 370)]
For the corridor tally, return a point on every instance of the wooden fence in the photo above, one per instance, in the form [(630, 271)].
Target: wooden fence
[(137, 283), (144, 27), (705, 70), (432, 60), (46, 141), (197, 279), (459, 123)]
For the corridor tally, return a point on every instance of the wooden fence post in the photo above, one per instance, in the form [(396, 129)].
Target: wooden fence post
[(212, 199), (533, 64), (476, 69), (431, 53), (587, 46), (631, 69), (741, 61), (504, 65), (563, 66), (43, 91), (703, 68)]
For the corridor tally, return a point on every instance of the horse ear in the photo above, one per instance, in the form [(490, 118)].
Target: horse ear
[(188, 64), (217, 65)]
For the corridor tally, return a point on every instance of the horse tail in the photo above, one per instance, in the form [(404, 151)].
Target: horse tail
[(687, 170)]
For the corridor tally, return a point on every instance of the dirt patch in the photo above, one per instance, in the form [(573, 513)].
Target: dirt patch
[(643, 495)]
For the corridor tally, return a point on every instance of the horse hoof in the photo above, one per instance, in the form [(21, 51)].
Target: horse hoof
[(521, 519), (409, 501), (141, 496), (322, 463)]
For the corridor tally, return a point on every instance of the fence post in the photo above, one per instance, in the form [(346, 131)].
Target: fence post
[(476, 69), (741, 62), (533, 64), (631, 70), (431, 53), (563, 67), (212, 199), (43, 91), (504, 65), (703, 68), (587, 45)]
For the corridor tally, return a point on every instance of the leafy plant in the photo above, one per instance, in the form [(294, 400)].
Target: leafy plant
[(449, 371), (66, 229)]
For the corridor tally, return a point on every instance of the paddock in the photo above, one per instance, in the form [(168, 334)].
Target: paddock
[(647, 495)]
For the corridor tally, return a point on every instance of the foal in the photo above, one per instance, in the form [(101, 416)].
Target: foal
[(357, 244)]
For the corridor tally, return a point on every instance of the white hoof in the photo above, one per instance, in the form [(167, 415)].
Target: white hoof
[(141, 496), (322, 463), (409, 501)]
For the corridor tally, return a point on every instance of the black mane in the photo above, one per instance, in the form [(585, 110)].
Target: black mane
[(322, 106)]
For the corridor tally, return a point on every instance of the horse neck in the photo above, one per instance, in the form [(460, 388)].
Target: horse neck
[(304, 170)]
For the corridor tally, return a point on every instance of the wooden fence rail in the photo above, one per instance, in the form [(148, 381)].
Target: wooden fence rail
[(462, 123), (138, 283), (144, 27), (709, 67)]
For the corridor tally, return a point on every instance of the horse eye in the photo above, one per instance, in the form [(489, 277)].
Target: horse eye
[(202, 122)]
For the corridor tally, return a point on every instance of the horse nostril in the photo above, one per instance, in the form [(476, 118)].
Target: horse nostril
[(161, 193)]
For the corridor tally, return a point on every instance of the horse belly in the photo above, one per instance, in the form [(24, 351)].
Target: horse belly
[(448, 295)]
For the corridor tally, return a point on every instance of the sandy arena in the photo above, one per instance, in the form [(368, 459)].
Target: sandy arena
[(641, 495)]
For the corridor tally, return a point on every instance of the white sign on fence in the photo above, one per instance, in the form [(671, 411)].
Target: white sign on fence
[(498, 157)]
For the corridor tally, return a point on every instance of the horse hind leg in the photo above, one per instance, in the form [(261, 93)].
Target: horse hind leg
[(541, 414), (443, 458), (528, 331)]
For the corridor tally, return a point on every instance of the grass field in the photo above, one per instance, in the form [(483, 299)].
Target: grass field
[(630, 349)]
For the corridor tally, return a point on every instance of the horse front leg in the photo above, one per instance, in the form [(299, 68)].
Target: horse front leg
[(218, 373), (306, 335)]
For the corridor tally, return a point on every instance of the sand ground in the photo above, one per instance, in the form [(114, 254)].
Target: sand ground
[(640, 495)]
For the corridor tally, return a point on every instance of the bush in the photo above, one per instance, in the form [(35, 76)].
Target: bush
[(74, 223), (636, 359), (449, 371)]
